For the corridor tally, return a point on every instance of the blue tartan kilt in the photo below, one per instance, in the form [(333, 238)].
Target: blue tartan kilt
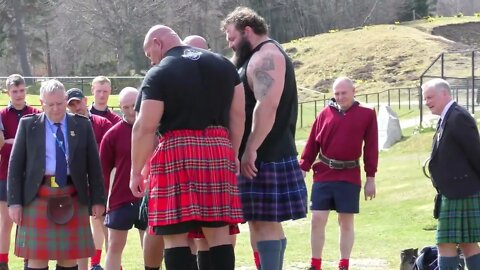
[(459, 220), (278, 192)]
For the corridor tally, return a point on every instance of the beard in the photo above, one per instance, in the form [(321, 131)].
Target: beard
[(242, 53)]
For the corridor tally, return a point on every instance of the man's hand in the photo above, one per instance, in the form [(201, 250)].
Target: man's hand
[(98, 210), (369, 188), (304, 174), (247, 166), (137, 185), (16, 212), (10, 141)]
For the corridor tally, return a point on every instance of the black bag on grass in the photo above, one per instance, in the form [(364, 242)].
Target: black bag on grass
[(428, 260)]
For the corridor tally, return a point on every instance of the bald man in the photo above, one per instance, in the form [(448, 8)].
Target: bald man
[(196, 41), (201, 121), (123, 207), (337, 136)]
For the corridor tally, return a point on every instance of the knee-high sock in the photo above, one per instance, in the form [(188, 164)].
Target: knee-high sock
[(58, 267), (270, 253), (448, 263), (473, 262), (282, 251), (222, 257), (204, 262), (177, 258)]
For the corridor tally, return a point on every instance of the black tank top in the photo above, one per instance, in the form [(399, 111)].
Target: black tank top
[(280, 141)]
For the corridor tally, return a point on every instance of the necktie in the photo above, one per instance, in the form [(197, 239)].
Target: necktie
[(438, 133), (61, 161)]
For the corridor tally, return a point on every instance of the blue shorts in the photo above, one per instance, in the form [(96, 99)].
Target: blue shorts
[(344, 197), (3, 190), (125, 217)]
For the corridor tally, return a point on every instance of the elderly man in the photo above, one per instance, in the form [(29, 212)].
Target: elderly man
[(337, 136), (455, 170), (49, 200), (192, 179), (271, 184)]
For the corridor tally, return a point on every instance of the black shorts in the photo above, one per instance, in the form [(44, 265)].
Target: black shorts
[(186, 226), (336, 195), (3, 190), (125, 217)]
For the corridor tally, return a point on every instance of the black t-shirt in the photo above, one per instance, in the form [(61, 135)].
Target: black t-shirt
[(196, 87)]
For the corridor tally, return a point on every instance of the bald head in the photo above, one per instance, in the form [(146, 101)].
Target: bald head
[(196, 41), (127, 95), (127, 99), (344, 92), (158, 40)]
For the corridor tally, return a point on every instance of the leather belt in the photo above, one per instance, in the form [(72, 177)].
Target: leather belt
[(338, 164)]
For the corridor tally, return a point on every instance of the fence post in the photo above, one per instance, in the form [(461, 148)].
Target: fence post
[(388, 99), (399, 98), (315, 108), (409, 99), (473, 82), (378, 101), (301, 115)]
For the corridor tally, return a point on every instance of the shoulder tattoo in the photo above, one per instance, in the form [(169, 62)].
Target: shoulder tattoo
[(263, 80)]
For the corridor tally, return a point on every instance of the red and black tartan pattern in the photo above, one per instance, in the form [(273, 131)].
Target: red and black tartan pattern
[(198, 233), (38, 238), (193, 178)]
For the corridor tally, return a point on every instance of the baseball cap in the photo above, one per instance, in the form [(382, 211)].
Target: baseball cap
[(74, 94)]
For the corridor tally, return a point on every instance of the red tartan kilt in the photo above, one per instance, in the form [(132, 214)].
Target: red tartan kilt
[(198, 233), (38, 238), (193, 178)]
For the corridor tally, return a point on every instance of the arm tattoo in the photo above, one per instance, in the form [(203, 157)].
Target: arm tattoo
[(263, 80)]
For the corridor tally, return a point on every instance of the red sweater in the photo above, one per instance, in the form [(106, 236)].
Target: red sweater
[(341, 136), (109, 114), (115, 152), (10, 119), (100, 127)]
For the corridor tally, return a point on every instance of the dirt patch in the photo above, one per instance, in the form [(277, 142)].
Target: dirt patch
[(364, 73), (465, 33), (297, 63), (324, 86), (291, 50)]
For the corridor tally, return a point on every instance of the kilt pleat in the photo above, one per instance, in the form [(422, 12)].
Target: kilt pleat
[(276, 194), (38, 238), (459, 220), (193, 178)]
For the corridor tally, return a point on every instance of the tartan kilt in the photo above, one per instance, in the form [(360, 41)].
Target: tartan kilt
[(192, 178), (198, 233), (38, 238), (459, 220), (276, 194)]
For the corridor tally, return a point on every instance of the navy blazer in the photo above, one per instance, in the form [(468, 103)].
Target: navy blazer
[(455, 158), (26, 169)]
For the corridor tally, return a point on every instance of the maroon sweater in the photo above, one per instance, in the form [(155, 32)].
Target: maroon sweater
[(10, 119), (100, 127), (115, 152), (109, 114), (341, 136)]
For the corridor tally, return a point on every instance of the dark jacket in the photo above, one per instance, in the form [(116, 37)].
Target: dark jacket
[(455, 158), (26, 169)]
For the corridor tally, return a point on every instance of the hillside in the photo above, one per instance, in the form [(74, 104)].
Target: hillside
[(376, 57)]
